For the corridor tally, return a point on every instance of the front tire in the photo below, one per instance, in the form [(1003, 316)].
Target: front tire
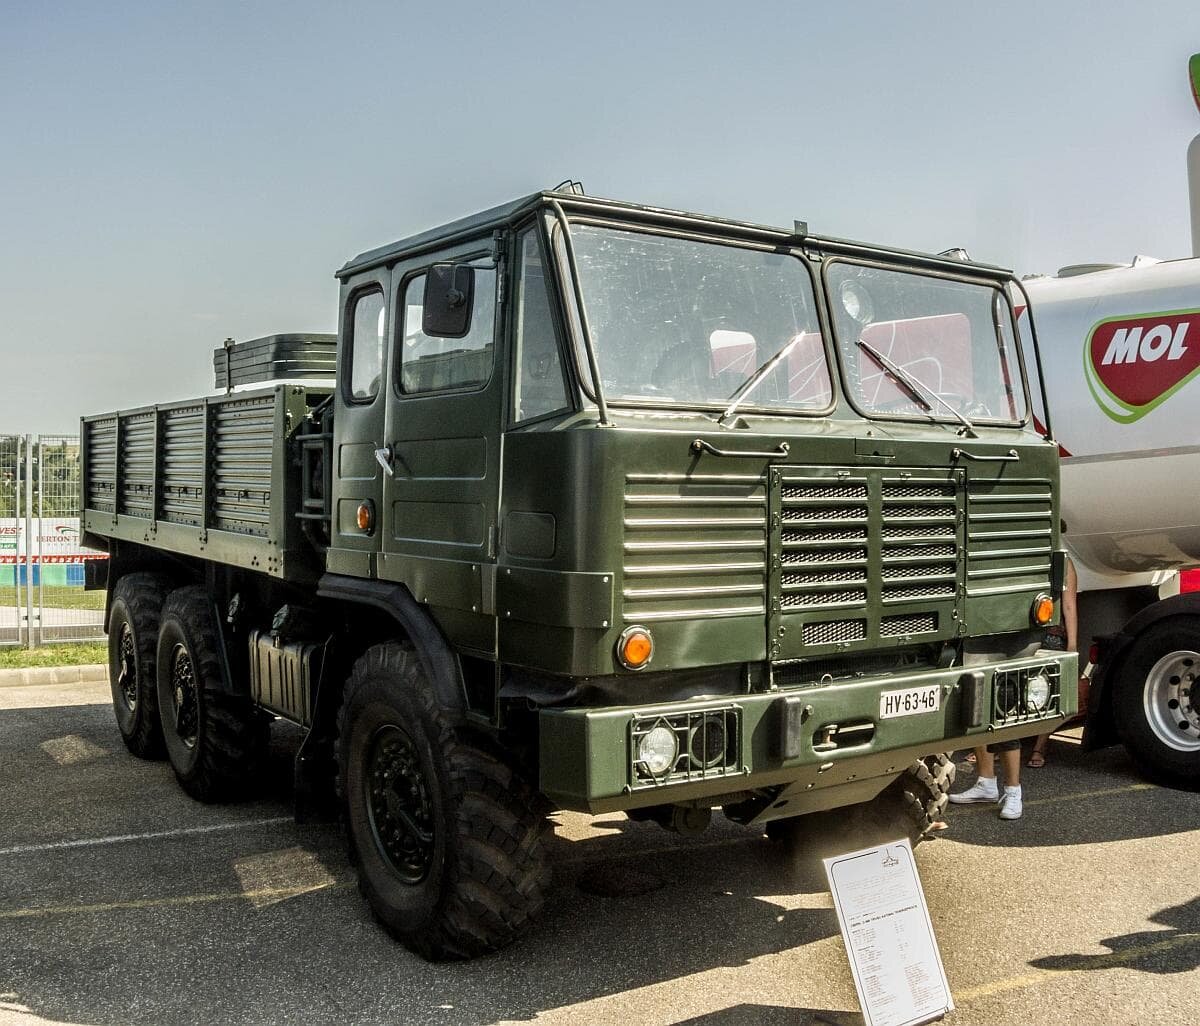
[(1157, 702), (907, 807), (215, 741), (445, 834), (133, 621)]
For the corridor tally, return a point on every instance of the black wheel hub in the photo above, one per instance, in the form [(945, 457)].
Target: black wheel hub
[(127, 667), (183, 688), (399, 804)]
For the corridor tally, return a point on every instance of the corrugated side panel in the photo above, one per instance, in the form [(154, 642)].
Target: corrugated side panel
[(695, 547), (182, 464), (137, 465), (243, 437), (1009, 536), (100, 448)]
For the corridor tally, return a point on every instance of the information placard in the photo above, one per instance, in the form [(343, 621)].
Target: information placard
[(885, 923)]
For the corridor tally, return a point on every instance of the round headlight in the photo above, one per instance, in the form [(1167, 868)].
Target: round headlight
[(658, 750), (1037, 693)]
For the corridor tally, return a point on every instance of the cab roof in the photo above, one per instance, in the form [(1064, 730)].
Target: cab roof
[(635, 213)]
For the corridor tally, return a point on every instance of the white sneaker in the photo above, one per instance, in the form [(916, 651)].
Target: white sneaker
[(1010, 804), (983, 790)]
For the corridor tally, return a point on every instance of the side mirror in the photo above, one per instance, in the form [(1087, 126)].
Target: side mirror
[(449, 299)]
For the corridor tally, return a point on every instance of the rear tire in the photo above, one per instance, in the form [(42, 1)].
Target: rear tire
[(445, 834), (907, 807), (1157, 702), (133, 620), (214, 740)]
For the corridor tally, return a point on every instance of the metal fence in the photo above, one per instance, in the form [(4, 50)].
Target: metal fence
[(42, 599)]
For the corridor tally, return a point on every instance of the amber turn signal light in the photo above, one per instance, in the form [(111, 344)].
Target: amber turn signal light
[(1043, 610), (635, 647), (366, 516)]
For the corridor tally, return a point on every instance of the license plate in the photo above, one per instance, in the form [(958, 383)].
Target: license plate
[(910, 701)]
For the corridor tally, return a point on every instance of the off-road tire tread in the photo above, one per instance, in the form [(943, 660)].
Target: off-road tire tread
[(497, 875), (233, 737), (143, 595)]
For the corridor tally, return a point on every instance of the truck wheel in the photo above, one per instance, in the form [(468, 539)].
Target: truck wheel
[(137, 601), (214, 741), (907, 807), (1157, 702), (446, 836)]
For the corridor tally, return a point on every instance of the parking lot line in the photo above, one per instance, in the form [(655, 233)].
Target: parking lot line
[(1105, 961), (96, 842), (265, 895), (1072, 796)]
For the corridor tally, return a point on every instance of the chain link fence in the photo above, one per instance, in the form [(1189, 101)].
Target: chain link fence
[(42, 598)]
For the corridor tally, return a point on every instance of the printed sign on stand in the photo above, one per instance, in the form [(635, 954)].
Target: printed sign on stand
[(889, 938)]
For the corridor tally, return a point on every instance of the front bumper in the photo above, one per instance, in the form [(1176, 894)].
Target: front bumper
[(821, 746)]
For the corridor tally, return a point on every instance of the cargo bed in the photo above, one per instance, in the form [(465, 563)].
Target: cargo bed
[(211, 477)]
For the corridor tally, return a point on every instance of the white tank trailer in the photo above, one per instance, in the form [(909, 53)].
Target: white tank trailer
[(1121, 365)]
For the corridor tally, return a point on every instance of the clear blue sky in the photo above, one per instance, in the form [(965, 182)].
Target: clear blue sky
[(171, 174)]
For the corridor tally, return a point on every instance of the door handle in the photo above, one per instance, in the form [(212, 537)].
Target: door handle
[(384, 458)]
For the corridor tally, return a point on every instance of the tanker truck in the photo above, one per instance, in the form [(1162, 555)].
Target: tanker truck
[(1121, 352)]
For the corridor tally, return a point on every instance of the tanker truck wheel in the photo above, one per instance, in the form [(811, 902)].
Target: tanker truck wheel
[(215, 741), (907, 807), (446, 836), (1157, 702), (137, 602)]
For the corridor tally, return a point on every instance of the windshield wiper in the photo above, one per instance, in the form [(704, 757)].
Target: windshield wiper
[(919, 391), (757, 378)]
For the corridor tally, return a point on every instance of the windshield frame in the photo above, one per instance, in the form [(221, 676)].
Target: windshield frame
[(577, 345), (931, 416)]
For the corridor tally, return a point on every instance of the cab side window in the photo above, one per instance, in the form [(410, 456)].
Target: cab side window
[(366, 346), (441, 364), (538, 386)]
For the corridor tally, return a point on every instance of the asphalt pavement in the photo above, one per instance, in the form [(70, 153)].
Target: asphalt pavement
[(123, 901)]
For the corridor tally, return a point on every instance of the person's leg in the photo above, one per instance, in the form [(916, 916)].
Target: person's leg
[(1011, 800), (984, 789), (1037, 758)]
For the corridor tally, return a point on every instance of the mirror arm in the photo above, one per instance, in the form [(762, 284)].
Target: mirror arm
[(585, 327)]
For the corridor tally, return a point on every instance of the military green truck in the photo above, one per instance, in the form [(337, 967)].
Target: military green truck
[(591, 506)]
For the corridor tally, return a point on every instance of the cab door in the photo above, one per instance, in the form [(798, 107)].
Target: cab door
[(358, 429), (445, 397)]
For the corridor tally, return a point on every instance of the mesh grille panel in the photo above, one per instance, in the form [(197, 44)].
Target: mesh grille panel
[(824, 556), (925, 551), (834, 630), (823, 514), (900, 573), (825, 491), (824, 598), (932, 512), (916, 623), (842, 534), (849, 574)]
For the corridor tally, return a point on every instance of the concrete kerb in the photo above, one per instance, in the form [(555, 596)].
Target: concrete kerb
[(39, 676)]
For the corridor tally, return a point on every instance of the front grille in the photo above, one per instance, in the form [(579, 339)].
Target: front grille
[(1010, 536), (902, 551)]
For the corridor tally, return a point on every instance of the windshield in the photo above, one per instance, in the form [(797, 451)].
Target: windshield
[(680, 322), (914, 345)]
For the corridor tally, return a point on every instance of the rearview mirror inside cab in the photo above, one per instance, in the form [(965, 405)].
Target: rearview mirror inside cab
[(449, 294)]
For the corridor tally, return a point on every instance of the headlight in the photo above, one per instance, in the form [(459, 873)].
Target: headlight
[(1037, 693), (706, 741), (658, 750)]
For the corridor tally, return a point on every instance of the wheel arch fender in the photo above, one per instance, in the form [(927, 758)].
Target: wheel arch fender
[(438, 659), (1101, 727)]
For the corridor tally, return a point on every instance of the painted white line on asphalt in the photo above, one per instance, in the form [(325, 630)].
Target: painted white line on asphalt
[(96, 842)]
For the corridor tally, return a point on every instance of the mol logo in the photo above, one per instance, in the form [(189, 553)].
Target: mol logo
[(1134, 363)]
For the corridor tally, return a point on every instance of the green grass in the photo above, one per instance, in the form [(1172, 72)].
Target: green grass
[(59, 596), (54, 655)]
